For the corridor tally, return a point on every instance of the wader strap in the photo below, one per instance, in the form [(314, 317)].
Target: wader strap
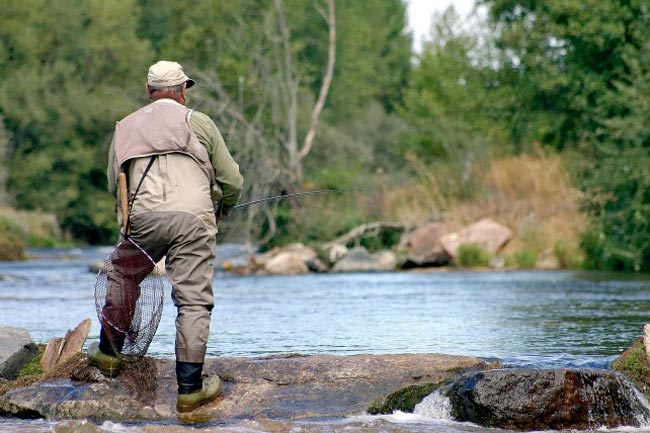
[(127, 230)]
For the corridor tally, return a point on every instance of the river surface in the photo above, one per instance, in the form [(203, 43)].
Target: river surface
[(521, 318)]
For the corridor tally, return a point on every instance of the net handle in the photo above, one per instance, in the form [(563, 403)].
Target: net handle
[(124, 201)]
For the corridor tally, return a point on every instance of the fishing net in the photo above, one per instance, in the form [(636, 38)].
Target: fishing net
[(129, 298)]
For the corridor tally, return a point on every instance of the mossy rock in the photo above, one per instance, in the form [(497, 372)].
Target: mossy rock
[(634, 364), (403, 400)]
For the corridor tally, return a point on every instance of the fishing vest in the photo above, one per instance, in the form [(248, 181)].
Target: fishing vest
[(159, 128)]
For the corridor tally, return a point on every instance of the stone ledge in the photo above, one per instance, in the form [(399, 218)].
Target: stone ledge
[(284, 387)]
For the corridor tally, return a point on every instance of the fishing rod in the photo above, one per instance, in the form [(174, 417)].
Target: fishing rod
[(295, 194)]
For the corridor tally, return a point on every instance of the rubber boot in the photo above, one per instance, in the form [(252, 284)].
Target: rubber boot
[(194, 392), (107, 364)]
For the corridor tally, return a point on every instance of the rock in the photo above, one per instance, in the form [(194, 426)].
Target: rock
[(16, 350), (286, 263), (337, 252), (387, 260), (305, 253), (634, 364), (424, 247), (358, 259), (59, 350), (286, 260), (488, 234), (542, 399), (263, 259), (282, 387)]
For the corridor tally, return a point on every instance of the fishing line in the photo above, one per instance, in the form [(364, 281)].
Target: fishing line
[(292, 195)]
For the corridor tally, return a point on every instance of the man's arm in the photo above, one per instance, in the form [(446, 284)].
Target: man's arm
[(226, 169)]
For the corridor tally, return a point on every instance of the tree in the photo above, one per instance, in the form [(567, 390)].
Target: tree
[(69, 72), (580, 68)]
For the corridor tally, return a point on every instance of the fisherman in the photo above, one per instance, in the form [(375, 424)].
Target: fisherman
[(182, 181)]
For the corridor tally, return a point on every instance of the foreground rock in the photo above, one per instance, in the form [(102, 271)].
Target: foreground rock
[(16, 350), (289, 387), (538, 399)]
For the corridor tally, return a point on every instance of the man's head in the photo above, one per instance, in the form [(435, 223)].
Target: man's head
[(167, 80)]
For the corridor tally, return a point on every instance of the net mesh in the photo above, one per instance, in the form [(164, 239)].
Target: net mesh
[(129, 298)]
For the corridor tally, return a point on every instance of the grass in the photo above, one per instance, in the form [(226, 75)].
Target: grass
[(33, 366)]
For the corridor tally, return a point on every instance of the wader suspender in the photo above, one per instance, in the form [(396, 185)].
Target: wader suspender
[(126, 204)]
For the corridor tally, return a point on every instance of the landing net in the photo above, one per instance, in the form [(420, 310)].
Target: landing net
[(129, 298)]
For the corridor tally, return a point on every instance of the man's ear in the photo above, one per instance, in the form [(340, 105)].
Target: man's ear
[(146, 88)]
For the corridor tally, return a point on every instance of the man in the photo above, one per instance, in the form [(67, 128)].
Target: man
[(178, 167)]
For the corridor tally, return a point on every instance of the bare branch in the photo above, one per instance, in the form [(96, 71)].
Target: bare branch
[(327, 80)]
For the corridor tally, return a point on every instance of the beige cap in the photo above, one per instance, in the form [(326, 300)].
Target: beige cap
[(167, 74)]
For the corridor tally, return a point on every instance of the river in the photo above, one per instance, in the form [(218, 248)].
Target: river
[(521, 318)]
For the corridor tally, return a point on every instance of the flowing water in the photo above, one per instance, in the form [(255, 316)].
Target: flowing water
[(521, 318)]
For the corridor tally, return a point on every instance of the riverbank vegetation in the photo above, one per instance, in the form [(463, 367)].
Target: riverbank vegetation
[(535, 115)]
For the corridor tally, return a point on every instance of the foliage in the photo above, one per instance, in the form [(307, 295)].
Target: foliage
[(634, 364), (69, 72), (580, 68), (403, 400), (422, 133), (449, 103), (525, 258), (12, 240), (34, 365), (472, 255), (619, 199)]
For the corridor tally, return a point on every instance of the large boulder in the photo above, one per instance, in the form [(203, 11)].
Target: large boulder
[(280, 387), (16, 350), (424, 247), (544, 399), (358, 259), (485, 233)]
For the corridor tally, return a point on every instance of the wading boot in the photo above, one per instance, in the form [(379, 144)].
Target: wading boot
[(194, 392), (107, 364)]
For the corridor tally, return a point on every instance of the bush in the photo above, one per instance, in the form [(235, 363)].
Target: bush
[(525, 258), (12, 240), (472, 255)]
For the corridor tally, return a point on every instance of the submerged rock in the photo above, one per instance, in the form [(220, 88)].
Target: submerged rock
[(542, 399), (286, 387)]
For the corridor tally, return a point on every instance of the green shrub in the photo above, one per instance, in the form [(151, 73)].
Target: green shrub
[(12, 240), (472, 255), (525, 258)]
